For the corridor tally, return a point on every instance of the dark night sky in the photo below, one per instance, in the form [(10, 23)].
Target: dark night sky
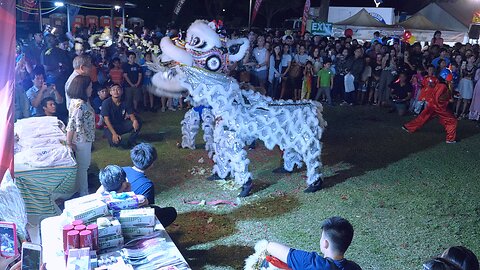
[(160, 11), (236, 13)]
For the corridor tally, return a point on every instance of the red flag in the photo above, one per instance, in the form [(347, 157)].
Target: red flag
[(7, 77), (305, 15), (255, 9)]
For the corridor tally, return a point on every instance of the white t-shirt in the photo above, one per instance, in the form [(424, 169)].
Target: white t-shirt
[(349, 85), (286, 59), (261, 57)]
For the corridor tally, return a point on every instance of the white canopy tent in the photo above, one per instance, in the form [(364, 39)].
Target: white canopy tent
[(364, 25), (422, 29)]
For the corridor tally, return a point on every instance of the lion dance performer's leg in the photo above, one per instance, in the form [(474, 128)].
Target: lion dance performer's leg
[(449, 122), (311, 158), (208, 124), (231, 157), (190, 126), (421, 119), (290, 159)]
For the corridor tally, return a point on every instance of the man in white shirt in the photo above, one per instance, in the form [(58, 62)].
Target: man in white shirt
[(82, 65)]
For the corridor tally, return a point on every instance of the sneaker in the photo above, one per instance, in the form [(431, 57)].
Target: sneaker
[(172, 109), (404, 128), (163, 109), (246, 188), (315, 186), (449, 142)]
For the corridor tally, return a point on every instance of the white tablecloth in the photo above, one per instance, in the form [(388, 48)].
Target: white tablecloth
[(52, 242)]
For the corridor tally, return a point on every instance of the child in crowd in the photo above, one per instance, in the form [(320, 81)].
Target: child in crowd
[(307, 80), (102, 94), (325, 82), (464, 95), (116, 71), (132, 74), (349, 80), (366, 77), (337, 235), (148, 97), (143, 156), (429, 82), (416, 82)]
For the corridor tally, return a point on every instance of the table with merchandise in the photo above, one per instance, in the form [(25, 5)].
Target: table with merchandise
[(108, 231)]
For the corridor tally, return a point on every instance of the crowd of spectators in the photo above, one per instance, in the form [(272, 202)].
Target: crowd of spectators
[(383, 71)]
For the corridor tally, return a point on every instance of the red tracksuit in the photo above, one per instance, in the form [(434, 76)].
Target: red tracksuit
[(437, 102)]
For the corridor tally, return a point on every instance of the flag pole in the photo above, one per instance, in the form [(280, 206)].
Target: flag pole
[(250, 16)]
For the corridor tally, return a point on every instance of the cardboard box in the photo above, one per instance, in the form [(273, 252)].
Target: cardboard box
[(114, 229), (134, 231), (115, 241), (88, 211), (121, 201), (142, 217), (73, 203), (79, 259)]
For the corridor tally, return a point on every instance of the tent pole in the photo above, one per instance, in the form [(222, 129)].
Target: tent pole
[(40, 15), (69, 25), (123, 17)]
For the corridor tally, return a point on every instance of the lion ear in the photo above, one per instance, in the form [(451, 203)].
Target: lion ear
[(237, 49), (212, 25)]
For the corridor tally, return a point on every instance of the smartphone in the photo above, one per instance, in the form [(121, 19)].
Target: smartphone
[(31, 256), (8, 239)]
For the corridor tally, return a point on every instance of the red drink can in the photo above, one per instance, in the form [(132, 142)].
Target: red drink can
[(94, 229), (73, 239), (66, 229), (80, 227), (86, 239), (77, 222)]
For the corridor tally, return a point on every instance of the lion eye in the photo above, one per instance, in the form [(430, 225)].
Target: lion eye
[(195, 41)]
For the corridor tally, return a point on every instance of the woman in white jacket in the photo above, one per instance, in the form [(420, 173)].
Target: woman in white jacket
[(275, 72)]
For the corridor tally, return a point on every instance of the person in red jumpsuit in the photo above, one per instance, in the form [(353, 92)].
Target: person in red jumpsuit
[(437, 102)]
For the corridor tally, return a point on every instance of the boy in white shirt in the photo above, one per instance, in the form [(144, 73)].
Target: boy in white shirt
[(349, 88)]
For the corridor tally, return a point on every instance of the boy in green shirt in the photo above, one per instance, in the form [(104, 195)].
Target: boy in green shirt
[(325, 82)]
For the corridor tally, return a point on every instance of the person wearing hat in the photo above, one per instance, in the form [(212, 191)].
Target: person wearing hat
[(437, 105)]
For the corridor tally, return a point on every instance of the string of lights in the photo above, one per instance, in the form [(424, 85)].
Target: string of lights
[(36, 13)]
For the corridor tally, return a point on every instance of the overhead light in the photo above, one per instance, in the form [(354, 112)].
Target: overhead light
[(59, 4), (116, 7)]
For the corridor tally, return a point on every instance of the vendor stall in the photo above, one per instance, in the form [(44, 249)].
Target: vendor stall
[(123, 235)]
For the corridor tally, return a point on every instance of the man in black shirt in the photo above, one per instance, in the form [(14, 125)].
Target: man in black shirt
[(119, 118), (401, 92)]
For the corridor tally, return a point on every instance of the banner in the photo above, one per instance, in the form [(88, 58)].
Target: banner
[(305, 15), (7, 77), (255, 9), (177, 9)]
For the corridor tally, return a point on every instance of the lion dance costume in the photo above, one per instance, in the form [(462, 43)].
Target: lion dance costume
[(437, 102)]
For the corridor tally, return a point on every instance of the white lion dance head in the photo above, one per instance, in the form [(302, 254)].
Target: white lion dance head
[(204, 48)]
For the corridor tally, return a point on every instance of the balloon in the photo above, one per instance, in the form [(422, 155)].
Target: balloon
[(348, 32), (407, 35), (412, 40)]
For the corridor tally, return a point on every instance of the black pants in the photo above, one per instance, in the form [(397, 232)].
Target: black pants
[(123, 128), (166, 215)]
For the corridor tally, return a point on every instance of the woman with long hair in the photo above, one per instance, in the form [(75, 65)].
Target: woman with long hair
[(275, 72), (81, 128)]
